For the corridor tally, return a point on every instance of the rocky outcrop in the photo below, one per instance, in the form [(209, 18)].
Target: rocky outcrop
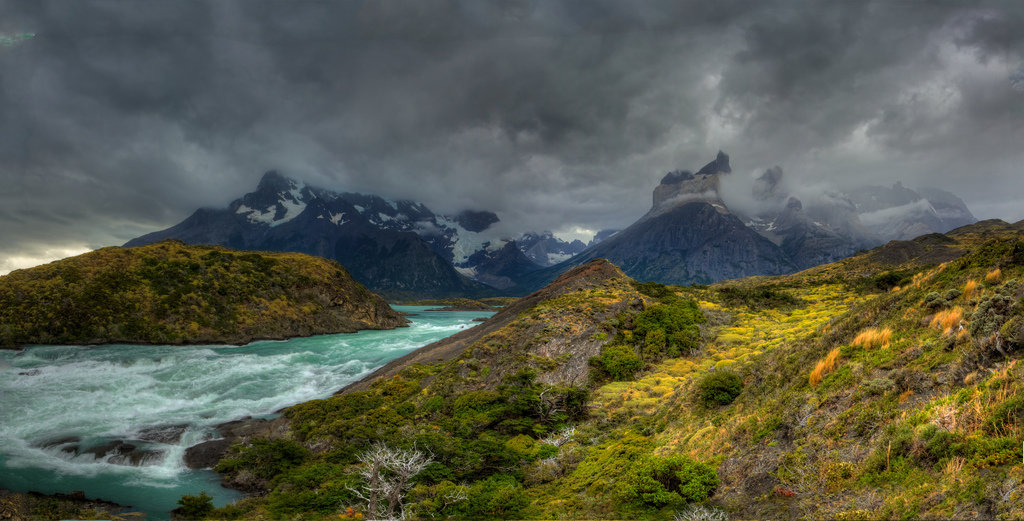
[(206, 454), (681, 186)]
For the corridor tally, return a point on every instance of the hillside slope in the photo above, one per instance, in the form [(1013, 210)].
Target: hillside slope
[(172, 293), (886, 386)]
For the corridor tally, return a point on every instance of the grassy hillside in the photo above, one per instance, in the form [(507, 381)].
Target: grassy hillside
[(173, 293), (885, 386)]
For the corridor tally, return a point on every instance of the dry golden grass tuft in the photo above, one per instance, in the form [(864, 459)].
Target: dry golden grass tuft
[(873, 337), (947, 320), (994, 276), (970, 288), (954, 467), (824, 367)]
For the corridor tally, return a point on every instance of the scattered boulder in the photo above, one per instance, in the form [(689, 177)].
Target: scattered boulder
[(206, 454), (163, 433)]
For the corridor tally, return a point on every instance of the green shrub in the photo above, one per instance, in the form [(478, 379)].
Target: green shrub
[(618, 362), (673, 480), (497, 497), (264, 458), (719, 388), (194, 507), (991, 314), (669, 329), (760, 297), (656, 290), (1018, 253), (1007, 415)]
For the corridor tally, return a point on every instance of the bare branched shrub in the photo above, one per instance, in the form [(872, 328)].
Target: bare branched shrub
[(700, 513), (388, 474)]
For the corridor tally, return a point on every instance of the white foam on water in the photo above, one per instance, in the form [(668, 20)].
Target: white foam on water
[(104, 393)]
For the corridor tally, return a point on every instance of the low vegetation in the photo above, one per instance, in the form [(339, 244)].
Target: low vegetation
[(172, 293), (859, 390)]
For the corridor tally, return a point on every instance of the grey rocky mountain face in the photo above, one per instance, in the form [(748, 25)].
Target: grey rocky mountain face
[(545, 249), (690, 235), (399, 248)]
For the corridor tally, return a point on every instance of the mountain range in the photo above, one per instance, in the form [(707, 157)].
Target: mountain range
[(691, 236), (402, 249)]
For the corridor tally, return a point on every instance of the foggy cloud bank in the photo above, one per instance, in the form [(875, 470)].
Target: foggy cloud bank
[(120, 118)]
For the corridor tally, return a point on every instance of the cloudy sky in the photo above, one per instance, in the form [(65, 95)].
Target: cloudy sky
[(121, 117)]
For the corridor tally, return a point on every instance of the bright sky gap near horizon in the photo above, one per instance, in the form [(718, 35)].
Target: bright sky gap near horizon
[(119, 119)]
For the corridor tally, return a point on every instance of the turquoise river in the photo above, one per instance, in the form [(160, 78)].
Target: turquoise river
[(52, 397)]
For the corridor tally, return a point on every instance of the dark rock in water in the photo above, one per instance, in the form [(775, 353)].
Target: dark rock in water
[(119, 452), (163, 433), (33, 372), (206, 454), (138, 457), (249, 427), (57, 442), (115, 447), (481, 319)]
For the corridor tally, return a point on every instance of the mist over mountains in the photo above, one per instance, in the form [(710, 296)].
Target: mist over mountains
[(702, 227)]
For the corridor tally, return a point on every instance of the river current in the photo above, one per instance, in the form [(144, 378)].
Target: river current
[(57, 402)]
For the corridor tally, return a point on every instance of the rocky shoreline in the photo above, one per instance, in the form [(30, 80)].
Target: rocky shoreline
[(205, 455), (19, 506)]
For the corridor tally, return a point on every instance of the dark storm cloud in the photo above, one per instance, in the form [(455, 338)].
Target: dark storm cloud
[(122, 117)]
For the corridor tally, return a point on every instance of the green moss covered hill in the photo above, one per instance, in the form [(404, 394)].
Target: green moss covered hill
[(886, 386), (173, 293)]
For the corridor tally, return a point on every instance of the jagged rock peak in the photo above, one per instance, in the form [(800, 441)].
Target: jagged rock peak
[(274, 181), (676, 176), (766, 185), (476, 221), (681, 186), (719, 166)]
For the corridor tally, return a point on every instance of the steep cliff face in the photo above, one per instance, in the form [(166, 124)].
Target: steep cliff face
[(692, 243), (173, 293), (681, 186)]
